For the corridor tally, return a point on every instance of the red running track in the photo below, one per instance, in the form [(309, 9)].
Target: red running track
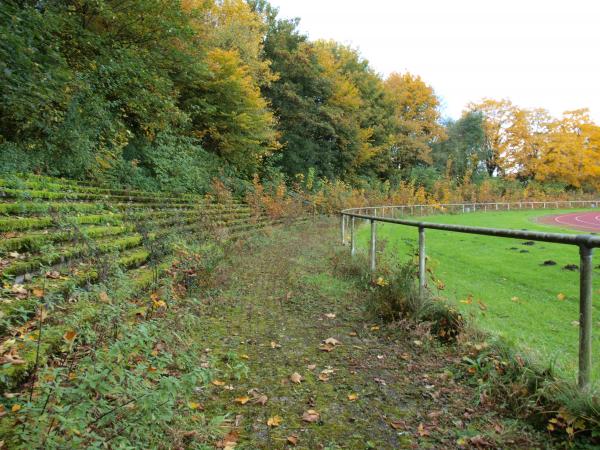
[(584, 220)]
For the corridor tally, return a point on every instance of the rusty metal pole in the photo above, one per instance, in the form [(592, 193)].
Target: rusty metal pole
[(585, 316), (373, 249), (422, 274)]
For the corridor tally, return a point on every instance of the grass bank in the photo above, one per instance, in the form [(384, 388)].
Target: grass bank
[(526, 292)]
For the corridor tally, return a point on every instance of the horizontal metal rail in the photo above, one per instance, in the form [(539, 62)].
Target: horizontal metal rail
[(444, 208), (585, 242)]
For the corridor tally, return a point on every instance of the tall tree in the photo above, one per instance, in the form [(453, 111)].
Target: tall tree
[(464, 149), (416, 120), (572, 152), (498, 117)]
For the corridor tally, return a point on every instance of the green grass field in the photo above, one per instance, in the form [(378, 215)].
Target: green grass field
[(503, 285)]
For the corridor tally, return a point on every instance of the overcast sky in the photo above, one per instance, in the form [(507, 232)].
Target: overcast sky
[(536, 53)]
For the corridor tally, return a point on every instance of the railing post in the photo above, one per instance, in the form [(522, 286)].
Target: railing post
[(585, 316), (422, 274), (372, 252), (352, 238), (343, 231)]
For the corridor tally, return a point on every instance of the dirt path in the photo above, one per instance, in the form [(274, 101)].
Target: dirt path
[(381, 387)]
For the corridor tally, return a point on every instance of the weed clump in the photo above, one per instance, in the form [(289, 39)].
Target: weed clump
[(507, 377), (397, 296)]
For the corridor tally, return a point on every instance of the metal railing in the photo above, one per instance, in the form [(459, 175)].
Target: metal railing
[(585, 242)]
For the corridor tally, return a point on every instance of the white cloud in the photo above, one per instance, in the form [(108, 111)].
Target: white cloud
[(537, 53)]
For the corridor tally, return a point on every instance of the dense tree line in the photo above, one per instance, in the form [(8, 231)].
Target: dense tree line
[(171, 94)]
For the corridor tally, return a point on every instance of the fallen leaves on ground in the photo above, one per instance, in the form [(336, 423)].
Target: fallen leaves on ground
[(19, 290), (311, 416), (274, 421), (324, 375), (398, 424), (53, 274), (353, 397), (296, 377), (275, 345), (229, 441), (12, 357), (381, 282), (261, 400), (292, 439), (329, 344), (560, 296), (422, 431), (70, 336), (242, 400)]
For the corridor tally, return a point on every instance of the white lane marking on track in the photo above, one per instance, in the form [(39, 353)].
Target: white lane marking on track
[(585, 215), (570, 224)]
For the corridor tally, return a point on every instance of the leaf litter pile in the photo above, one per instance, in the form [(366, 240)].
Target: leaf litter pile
[(298, 363)]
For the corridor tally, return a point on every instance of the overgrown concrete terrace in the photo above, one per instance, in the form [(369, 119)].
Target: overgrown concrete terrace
[(300, 363)]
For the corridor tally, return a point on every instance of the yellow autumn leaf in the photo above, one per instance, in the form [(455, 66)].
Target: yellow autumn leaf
[(468, 300), (159, 304), (381, 282), (242, 400), (194, 405), (274, 421), (15, 408), (353, 397), (560, 296), (218, 383), (70, 336)]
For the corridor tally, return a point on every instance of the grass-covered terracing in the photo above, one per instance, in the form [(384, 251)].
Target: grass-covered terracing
[(60, 238)]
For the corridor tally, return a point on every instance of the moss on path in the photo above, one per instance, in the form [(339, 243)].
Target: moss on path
[(383, 386)]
